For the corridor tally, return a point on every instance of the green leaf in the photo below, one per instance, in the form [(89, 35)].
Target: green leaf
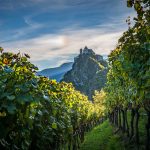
[(11, 108), (24, 59), (137, 6), (54, 125), (25, 98), (7, 69), (129, 3), (40, 113), (12, 97)]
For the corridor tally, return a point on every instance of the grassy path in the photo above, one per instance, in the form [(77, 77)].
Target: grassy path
[(102, 138)]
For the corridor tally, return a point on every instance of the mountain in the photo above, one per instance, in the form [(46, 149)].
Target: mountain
[(88, 72), (56, 73)]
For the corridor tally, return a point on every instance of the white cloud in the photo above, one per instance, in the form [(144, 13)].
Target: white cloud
[(64, 44)]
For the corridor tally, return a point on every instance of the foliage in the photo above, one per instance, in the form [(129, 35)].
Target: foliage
[(38, 113), (128, 83), (99, 101), (129, 75)]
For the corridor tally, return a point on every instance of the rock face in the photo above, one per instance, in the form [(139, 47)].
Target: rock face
[(88, 72)]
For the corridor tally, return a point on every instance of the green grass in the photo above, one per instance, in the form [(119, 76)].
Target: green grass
[(102, 138)]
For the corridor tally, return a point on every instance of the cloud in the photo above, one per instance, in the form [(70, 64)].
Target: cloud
[(30, 27), (83, 13), (53, 31), (62, 46)]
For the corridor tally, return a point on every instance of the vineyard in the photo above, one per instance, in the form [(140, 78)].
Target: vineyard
[(128, 86), (39, 113)]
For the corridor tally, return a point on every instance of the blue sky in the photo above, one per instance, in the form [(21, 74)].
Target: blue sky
[(53, 31)]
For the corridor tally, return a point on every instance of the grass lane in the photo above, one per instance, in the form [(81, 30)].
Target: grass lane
[(102, 138)]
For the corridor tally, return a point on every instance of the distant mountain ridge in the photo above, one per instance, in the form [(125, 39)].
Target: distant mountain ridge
[(56, 73), (88, 72)]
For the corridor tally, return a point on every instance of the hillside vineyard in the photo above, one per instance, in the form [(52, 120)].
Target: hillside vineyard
[(38, 113)]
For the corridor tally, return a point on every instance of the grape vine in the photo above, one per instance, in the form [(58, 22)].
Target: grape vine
[(38, 113), (128, 83)]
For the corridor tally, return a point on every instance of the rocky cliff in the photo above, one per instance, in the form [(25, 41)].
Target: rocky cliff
[(88, 72)]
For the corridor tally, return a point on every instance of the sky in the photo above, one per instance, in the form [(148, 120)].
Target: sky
[(53, 31)]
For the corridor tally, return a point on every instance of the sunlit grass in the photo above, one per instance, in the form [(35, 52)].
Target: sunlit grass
[(102, 138)]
